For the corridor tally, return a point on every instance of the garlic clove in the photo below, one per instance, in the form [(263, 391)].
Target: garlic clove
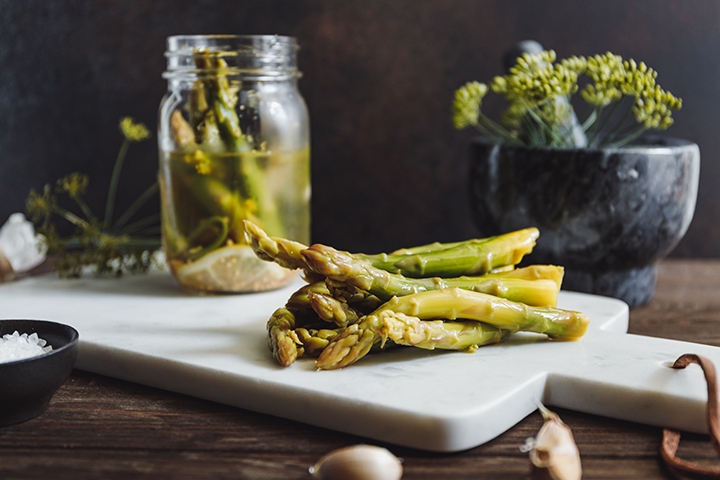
[(359, 462), (554, 454)]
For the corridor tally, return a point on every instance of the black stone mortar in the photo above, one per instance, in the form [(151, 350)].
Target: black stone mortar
[(607, 215)]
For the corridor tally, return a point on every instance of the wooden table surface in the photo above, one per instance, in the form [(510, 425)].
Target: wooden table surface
[(100, 427)]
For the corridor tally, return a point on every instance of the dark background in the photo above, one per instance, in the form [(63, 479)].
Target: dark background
[(388, 168)]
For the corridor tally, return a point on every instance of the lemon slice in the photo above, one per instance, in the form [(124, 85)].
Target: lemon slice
[(234, 268)]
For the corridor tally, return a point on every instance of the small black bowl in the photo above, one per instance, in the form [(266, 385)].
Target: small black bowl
[(30, 383)]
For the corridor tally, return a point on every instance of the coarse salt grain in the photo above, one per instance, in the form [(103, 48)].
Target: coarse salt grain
[(18, 347)]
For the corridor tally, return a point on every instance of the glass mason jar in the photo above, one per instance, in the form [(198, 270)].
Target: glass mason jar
[(234, 144)]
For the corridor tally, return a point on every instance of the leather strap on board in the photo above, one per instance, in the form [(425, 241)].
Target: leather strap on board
[(671, 438)]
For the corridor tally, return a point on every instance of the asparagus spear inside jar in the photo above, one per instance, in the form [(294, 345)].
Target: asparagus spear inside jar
[(357, 303), (226, 159)]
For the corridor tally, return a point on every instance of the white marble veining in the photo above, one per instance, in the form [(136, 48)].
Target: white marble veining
[(145, 329)]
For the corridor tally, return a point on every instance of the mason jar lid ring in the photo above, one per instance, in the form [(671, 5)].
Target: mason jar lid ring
[(260, 56)]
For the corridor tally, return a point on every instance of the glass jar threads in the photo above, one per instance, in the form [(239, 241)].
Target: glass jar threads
[(234, 144)]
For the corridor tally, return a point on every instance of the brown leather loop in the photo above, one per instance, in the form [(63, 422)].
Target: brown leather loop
[(671, 438)]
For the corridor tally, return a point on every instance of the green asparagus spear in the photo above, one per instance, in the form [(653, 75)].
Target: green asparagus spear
[(280, 341), (473, 257), (211, 139), (342, 267), (533, 272), (403, 320), (300, 299), (504, 268), (535, 285), (296, 313), (430, 247), (436, 247), (182, 132), (316, 296), (333, 310), (532, 285), (539, 292), (445, 335), (453, 303), (288, 342), (197, 107), (220, 102), (468, 258), (221, 115), (351, 294), (215, 196), (311, 342), (349, 346), (357, 340), (285, 253), (295, 333)]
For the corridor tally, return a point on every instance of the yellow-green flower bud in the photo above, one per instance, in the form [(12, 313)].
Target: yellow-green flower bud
[(133, 132), (74, 184), (466, 107)]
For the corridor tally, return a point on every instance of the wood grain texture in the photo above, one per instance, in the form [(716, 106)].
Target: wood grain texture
[(102, 428)]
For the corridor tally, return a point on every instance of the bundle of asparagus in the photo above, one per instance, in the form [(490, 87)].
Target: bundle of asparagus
[(456, 296)]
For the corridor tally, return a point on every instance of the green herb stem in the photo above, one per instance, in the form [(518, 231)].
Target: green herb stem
[(628, 138), (74, 219), (555, 139), (84, 207), (494, 130), (616, 133), (112, 190), (135, 206), (139, 225), (603, 122)]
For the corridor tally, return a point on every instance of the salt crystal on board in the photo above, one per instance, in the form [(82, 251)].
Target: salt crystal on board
[(18, 347)]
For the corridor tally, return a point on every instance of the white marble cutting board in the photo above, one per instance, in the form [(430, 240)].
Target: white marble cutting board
[(144, 329)]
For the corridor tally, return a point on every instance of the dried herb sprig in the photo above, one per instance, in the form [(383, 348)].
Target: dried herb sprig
[(539, 92), (102, 246)]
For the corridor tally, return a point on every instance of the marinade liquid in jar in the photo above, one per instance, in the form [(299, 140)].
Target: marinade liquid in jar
[(234, 142)]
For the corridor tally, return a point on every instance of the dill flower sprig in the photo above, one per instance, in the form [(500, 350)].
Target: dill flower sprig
[(539, 91), (105, 247), (133, 131), (466, 111), (466, 108)]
